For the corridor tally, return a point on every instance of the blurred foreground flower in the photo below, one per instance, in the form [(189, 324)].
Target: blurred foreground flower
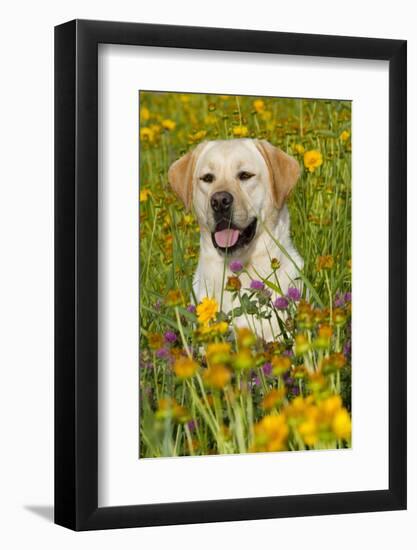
[(217, 376), (169, 408), (271, 434), (185, 367)]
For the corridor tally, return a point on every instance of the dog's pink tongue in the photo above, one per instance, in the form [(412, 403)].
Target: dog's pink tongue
[(226, 237)]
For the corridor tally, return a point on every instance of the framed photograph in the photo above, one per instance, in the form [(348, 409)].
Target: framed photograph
[(230, 244)]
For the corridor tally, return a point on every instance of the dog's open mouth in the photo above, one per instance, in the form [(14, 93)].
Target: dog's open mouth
[(228, 237)]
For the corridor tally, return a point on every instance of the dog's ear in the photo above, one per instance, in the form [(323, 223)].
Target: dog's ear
[(284, 171), (180, 176)]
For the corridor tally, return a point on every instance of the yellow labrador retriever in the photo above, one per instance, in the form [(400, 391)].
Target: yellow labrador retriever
[(238, 190)]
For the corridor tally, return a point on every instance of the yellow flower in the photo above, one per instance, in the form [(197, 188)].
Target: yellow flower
[(206, 310), (222, 327), (298, 148), (168, 124), (217, 376), (325, 262), (245, 337), (270, 434), (218, 352), (215, 329), (298, 406), (312, 160), (233, 284), (144, 195), (325, 331), (197, 136), (265, 115), (342, 425), (308, 431), (301, 344), (240, 131), (280, 364), (210, 119), (259, 105), (323, 338), (155, 129), (243, 360), (169, 408), (174, 298), (185, 367), (155, 340), (344, 135), (147, 134), (145, 114), (336, 361), (273, 398), (275, 264), (330, 406)]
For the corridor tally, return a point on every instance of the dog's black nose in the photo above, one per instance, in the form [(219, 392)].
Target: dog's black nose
[(221, 202)]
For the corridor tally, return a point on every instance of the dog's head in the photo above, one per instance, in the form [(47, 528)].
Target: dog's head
[(235, 187)]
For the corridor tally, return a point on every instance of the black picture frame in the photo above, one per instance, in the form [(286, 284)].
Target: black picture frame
[(76, 272)]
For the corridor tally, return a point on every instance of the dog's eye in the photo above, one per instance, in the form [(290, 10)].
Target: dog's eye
[(243, 176), (208, 178)]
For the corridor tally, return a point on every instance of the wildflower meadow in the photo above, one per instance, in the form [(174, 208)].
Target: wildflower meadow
[(208, 387)]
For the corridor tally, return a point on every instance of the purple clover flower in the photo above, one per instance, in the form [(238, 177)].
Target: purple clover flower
[(236, 266), (281, 303), (295, 390), (191, 308), (288, 352), (348, 297), (267, 369), (257, 285), (293, 293), (338, 300), (170, 337), (192, 425), (347, 348), (162, 353)]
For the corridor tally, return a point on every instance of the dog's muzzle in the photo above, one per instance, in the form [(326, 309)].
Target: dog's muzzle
[(229, 238)]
